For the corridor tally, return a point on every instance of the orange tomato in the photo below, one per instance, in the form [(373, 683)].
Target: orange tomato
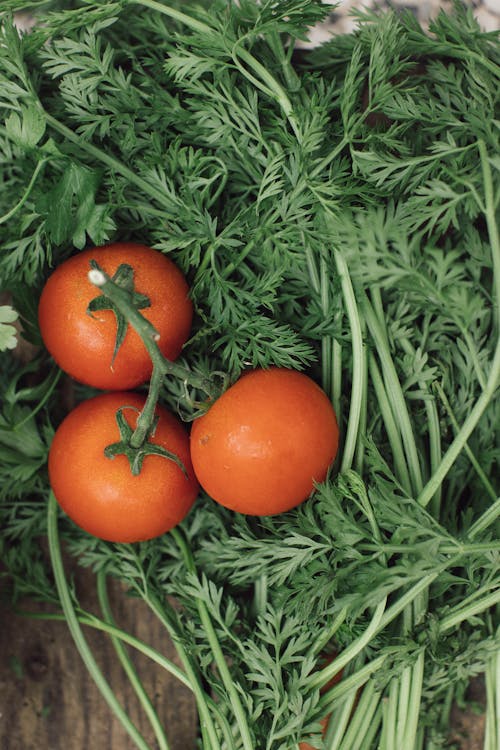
[(83, 344), (101, 495), (262, 445)]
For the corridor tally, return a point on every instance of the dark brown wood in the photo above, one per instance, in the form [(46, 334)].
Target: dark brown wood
[(48, 701)]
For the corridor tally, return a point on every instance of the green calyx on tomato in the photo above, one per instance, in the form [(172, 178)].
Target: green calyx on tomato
[(137, 453), (80, 331), (102, 496), (124, 279)]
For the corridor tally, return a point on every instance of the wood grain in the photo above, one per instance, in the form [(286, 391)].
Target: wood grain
[(48, 701)]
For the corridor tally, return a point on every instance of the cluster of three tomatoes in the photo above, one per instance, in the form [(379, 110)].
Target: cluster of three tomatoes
[(259, 449)]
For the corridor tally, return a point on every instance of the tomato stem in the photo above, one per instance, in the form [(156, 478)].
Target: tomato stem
[(146, 417), (123, 303)]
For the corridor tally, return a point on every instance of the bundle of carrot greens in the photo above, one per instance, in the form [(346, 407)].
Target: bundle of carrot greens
[(334, 212)]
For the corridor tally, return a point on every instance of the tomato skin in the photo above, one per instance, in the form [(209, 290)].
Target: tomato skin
[(83, 345), (263, 443), (101, 495)]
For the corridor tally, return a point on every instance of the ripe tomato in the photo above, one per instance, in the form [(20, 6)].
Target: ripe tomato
[(262, 445), (101, 495), (83, 344)]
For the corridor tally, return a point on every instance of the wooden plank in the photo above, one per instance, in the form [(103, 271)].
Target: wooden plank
[(48, 701)]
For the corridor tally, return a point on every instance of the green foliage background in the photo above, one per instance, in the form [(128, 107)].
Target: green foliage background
[(334, 211)]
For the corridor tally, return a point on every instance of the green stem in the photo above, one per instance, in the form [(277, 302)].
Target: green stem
[(362, 718), (402, 705), (177, 15), (262, 79), (330, 385), (434, 430), (490, 387), (459, 614), (475, 463), (329, 157), (147, 415), (339, 721), (445, 709), (362, 432), (329, 633), (394, 391), (400, 467), (40, 403), (414, 701), (323, 676), (148, 334), (371, 730), (260, 595), (41, 164), (91, 621), (358, 385), (353, 682), (105, 158), (161, 366), (203, 702), (233, 264), (489, 517), (331, 350), (463, 435), (389, 718), (414, 593), (283, 57), (215, 647), (492, 680), (457, 549), (76, 631), (128, 667)]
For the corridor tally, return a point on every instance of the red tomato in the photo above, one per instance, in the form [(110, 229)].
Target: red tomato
[(101, 495), (262, 445), (83, 345)]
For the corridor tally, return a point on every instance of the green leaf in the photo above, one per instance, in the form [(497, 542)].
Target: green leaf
[(70, 208), (8, 332), (28, 129)]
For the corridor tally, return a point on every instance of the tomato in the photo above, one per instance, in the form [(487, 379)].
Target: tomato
[(262, 445), (101, 495), (83, 344)]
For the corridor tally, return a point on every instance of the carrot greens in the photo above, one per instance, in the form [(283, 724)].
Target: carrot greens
[(336, 211)]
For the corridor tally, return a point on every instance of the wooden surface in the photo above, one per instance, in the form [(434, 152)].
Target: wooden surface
[(49, 702)]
